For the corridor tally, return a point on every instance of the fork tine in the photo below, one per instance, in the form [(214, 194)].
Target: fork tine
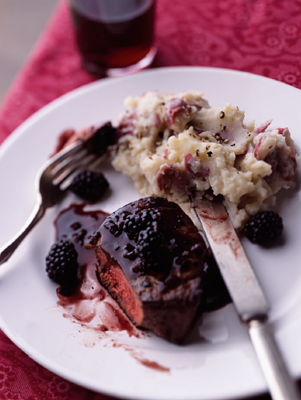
[(68, 162), (97, 161), (65, 153), (71, 169)]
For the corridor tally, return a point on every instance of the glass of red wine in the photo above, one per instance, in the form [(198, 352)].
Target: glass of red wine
[(115, 37)]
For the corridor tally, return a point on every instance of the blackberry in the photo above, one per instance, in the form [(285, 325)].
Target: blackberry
[(61, 263), (102, 137), (152, 248), (146, 228), (89, 185), (144, 234), (264, 228), (134, 224), (153, 236)]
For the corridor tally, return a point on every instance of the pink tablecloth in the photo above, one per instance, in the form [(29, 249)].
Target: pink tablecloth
[(259, 36)]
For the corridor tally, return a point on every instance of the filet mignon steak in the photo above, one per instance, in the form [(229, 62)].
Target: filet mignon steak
[(150, 258)]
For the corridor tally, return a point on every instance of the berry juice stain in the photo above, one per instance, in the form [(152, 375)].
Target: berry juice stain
[(78, 226), (152, 364), (88, 303)]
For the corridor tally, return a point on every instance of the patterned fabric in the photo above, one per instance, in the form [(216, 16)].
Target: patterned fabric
[(259, 36)]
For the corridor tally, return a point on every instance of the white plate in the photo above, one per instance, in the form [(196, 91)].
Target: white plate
[(222, 366)]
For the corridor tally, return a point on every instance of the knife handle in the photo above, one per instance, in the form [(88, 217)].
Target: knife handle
[(281, 385)]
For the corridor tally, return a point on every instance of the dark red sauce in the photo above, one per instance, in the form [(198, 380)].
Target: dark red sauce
[(137, 355), (77, 225), (152, 364)]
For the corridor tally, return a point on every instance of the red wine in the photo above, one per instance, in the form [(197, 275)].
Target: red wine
[(114, 38)]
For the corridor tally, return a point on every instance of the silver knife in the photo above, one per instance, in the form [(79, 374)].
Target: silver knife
[(247, 294)]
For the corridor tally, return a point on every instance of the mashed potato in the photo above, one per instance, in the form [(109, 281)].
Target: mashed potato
[(172, 145)]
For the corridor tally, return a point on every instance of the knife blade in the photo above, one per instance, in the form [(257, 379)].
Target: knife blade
[(246, 292)]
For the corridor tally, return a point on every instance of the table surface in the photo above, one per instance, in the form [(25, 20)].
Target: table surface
[(258, 36)]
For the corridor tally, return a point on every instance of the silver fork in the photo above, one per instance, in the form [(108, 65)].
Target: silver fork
[(52, 184)]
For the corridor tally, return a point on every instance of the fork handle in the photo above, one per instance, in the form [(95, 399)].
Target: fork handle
[(36, 215), (281, 385)]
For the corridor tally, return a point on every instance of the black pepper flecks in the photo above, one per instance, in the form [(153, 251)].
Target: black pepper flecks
[(222, 114), (209, 153)]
